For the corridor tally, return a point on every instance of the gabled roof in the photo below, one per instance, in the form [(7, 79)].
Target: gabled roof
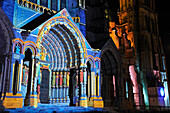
[(38, 21), (63, 12)]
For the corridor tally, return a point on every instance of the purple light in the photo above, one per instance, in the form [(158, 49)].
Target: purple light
[(162, 92)]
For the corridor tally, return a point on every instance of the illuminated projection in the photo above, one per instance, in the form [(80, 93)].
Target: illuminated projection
[(51, 65), (46, 61)]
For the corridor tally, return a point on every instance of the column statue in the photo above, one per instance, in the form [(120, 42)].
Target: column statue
[(17, 49)]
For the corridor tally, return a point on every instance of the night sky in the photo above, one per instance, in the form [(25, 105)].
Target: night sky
[(164, 30), (163, 11)]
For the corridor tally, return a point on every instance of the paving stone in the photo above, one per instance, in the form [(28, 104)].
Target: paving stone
[(49, 108)]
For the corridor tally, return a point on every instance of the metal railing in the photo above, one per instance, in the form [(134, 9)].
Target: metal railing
[(33, 6), (152, 108)]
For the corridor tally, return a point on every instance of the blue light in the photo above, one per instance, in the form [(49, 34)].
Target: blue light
[(162, 92)]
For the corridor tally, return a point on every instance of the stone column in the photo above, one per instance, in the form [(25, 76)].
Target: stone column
[(4, 74), (9, 71), (53, 87), (64, 86), (92, 83), (88, 80), (92, 87), (39, 84), (67, 3), (61, 88), (67, 88), (57, 87), (1, 78), (49, 96), (58, 5), (49, 4), (98, 93), (33, 100), (143, 75), (29, 85), (83, 82), (38, 2), (20, 74), (35, 74), (77, 88), (32, 75), (124, 4), (120, 5), (1, 87)]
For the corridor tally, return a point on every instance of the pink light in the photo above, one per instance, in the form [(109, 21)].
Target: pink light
[(114, 86), (156, 73), (133, 77)]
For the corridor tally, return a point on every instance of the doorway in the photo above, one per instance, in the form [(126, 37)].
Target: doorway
[(109, 87), (44, 88), (72, 87), (15, 81), (88, 85), (107, 90)]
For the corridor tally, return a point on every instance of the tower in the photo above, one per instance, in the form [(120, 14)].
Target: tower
[(98, 15), (139, 20), (77, 9)]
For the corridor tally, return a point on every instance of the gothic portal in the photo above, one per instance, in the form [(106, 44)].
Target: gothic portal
[(51, 60)]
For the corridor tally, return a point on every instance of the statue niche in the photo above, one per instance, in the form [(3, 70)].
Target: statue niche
[(18, 48)]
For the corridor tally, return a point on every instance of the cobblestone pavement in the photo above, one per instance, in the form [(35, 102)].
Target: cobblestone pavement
[(48, 108)]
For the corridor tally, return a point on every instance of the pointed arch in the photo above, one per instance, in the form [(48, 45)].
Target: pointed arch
[(70, 49)]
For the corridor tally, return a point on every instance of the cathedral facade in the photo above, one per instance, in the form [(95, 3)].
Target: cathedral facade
[(51, 62), (46, 55)]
